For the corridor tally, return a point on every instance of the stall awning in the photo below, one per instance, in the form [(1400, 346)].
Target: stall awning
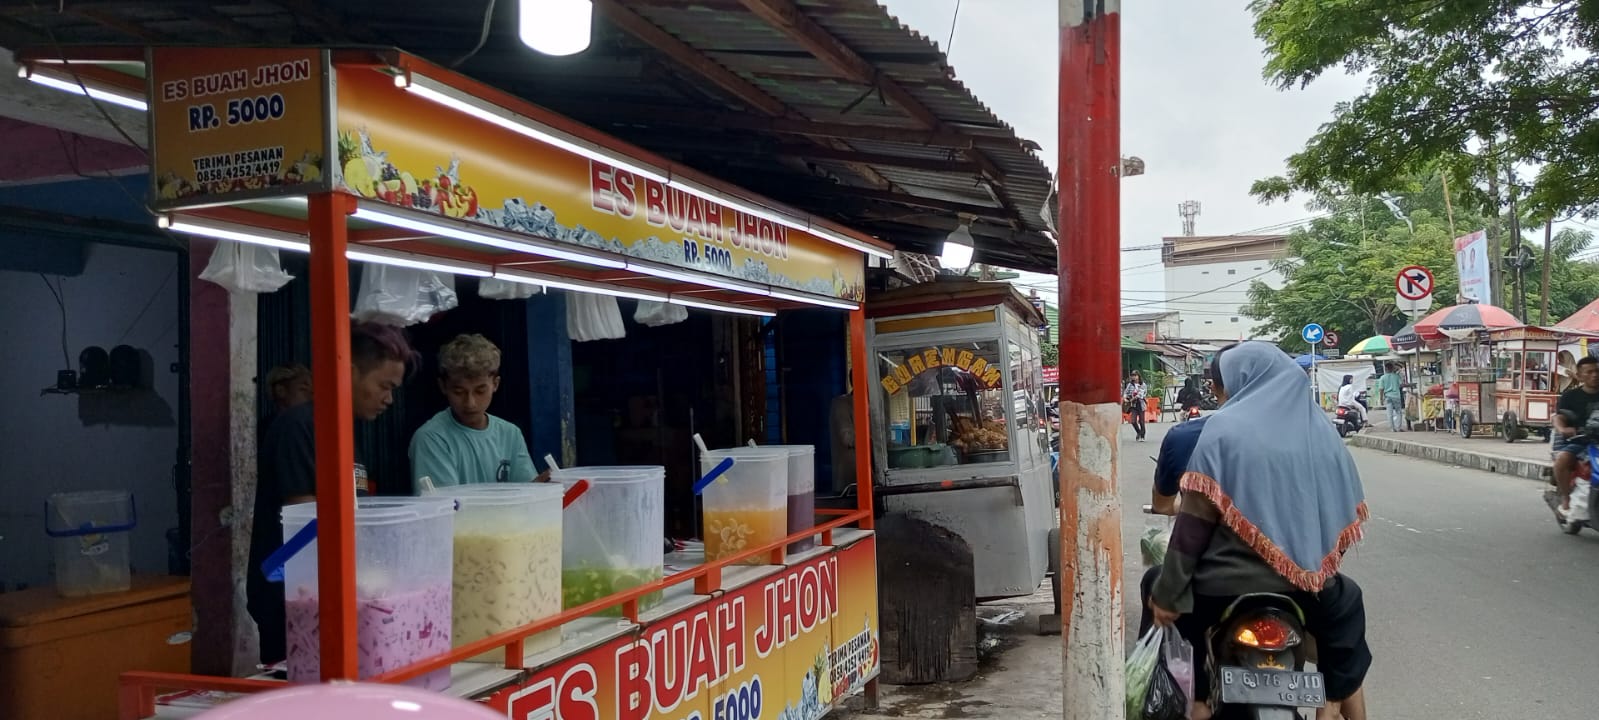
[(830, 106)]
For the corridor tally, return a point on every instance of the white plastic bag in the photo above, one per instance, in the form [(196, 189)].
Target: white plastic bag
[(403, 296), (245, 267), (593, 317), (656, 314), (1140, 669), (497, 289)]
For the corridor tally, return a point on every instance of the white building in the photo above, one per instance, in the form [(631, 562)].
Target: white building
[(1208, 278)]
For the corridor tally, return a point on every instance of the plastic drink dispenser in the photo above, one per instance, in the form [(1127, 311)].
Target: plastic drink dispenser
[(403, 554), (801, 492), (507, 561), (89, 538), (612, 535), (747, 506)]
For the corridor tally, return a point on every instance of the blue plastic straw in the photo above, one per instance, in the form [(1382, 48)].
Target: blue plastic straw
[(710, 477), (272, 568)]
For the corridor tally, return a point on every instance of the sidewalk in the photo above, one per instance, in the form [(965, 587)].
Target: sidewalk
[(1526, 458)]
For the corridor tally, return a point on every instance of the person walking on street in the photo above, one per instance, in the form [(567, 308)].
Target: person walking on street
[(1393, 396), (1133, 395)]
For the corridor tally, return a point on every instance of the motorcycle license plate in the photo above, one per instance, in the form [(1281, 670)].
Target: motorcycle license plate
[(1285, 688)]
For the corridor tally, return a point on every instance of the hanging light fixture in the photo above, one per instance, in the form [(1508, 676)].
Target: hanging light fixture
[(556, 27), (958, 248)]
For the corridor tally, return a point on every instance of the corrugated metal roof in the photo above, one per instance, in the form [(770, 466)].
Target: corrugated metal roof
[(799, 128)]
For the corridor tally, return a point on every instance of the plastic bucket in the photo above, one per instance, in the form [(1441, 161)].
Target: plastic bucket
[(89, 539), (403, 586), (507, 563), (747, 506), (613, 535), (801, 492)]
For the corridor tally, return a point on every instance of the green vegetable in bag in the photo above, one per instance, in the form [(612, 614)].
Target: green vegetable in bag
[(1141, 667)]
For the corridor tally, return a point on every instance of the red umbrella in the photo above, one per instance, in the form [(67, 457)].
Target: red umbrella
[(1471, 316), (1584, 319)]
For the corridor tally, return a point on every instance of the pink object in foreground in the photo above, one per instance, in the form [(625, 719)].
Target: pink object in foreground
[(348, 701)]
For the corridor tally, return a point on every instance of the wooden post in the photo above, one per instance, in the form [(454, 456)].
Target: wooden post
[(1548, 234), (1090, 284), (335, 436)]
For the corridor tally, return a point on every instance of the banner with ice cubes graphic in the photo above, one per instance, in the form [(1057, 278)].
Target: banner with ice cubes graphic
[(398, 149)]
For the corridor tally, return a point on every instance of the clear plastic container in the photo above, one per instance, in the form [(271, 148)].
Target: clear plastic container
[(801, 492), (507, 561), (403, 579), (613, 536), (89, 537), (748, 505)]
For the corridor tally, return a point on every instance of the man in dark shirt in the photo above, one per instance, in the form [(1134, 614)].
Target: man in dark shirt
[(379, 355), (1581, 401)]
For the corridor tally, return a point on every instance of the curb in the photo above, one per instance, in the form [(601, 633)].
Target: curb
[(1476, 460)]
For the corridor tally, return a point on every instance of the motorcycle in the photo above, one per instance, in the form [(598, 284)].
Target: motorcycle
[(1257, 656), (1192, 414), (1583, 502), (1346, 421)]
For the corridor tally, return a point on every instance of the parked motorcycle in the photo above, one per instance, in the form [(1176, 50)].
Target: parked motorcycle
[(1257, 657)]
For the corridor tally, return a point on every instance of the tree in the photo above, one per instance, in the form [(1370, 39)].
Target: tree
[(1339, 270), (1573, 278), (1473, 84)]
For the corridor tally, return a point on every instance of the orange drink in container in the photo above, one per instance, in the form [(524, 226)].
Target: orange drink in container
[(746, 506)]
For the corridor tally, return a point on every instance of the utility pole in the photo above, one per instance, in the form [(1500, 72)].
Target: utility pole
[(1548, 233), (1188, 210), (1519, 304), (1495, 253), (1090, 397)]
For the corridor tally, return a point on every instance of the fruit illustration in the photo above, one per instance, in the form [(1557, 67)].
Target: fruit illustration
[(305, 170), (357, 178), (409, 182)]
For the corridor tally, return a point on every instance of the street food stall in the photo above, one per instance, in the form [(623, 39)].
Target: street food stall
[(381, 157), (958, 404), (1527, 379)]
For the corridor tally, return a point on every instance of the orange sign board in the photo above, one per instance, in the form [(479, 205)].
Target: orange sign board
[(789, 646), (411, 152), (234, 123)]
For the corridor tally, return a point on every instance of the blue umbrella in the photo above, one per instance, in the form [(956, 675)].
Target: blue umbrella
[(1305, 361)]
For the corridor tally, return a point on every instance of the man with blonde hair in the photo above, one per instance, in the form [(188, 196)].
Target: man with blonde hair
[(464, 444)]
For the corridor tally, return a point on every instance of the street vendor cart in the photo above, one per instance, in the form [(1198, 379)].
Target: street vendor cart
[(1516, 389), (959, 407), (381, 157)]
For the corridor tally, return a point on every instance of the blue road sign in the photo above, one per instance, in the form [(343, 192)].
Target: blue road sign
[(1312, 333)]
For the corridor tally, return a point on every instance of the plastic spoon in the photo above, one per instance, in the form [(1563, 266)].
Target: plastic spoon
[(573, 493)]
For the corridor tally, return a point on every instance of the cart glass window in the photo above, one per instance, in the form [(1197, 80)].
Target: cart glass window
[(1027, 405), (945, 405)]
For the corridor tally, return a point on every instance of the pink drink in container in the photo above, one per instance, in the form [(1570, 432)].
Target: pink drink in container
[(403, 588)]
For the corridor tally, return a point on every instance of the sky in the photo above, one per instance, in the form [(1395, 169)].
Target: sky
[(1194, 107)]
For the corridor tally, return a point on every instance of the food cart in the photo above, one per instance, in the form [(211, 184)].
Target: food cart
[(958, 405), (1526, 379), (381, 157)]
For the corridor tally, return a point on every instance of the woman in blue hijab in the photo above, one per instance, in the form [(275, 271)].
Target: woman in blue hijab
[(1270, 502)]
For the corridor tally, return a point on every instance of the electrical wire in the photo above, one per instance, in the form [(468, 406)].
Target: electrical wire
[(60, 295)]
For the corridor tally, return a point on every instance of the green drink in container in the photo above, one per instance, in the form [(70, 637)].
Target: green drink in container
[(611, 534)]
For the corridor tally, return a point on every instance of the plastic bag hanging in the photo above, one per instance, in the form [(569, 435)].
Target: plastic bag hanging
[(1141, 667), (245, 267), (497, 289), (593, 317), (403, 296), (656, 314)]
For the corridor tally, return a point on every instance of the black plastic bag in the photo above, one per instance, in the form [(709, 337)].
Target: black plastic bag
[(1164, 700)]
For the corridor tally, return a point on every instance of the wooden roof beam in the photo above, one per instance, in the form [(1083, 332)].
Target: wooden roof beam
[(120, 25), (652, 35), (206, 14), (807, 152)]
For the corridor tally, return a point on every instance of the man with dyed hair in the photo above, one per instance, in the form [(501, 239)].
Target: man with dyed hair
[(464, 444)]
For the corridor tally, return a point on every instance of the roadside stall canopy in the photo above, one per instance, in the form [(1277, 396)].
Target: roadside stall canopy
[(1585, 319), (832, 107)]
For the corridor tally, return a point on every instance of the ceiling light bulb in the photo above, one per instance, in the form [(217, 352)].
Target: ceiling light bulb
[(556, 27), (958, 248)]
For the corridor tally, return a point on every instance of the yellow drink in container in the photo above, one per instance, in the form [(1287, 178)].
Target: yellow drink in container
[(747, 506)]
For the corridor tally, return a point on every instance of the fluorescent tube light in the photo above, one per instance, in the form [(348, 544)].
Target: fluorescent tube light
[(93, 89), (719, 306), (813, 300), (415, 262), (487, 236), (698, 278), (850, 242), (447, 96), (238, 233), (584, 286)]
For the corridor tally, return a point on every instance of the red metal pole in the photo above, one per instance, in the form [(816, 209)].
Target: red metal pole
[(335, 440), (860, 381), (1090, 342)]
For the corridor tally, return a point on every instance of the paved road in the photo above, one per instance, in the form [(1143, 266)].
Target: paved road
[(1478, 607)]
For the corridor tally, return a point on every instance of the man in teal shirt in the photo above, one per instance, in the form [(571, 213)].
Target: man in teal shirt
[(1389, 386), (465, 444)]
